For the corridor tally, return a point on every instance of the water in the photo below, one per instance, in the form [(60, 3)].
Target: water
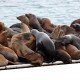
[(58, 11)]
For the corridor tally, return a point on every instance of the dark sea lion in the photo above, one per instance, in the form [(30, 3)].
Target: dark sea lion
[(18, 45), (16, 27), (33, 22), (69, 39), (73, 51), (44, 44), (8, 53), (76, 26), (20, 27)]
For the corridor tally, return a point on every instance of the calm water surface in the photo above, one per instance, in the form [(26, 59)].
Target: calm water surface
[(58, 11)]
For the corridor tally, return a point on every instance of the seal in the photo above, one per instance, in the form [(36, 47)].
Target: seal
[(69, 39), (44, 44), (73, 52), (18, 45), (8, 53)]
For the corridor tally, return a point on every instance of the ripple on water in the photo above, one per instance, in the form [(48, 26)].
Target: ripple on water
[(59, 11)]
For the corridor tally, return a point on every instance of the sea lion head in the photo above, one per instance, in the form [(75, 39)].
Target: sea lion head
[(34, 32)]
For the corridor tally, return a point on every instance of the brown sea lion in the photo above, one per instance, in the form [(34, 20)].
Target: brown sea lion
[(73, 51), (3, 60), (62, 54), (27, 38), (68, 30), (47, 25), (23, 19), (17, 44), (2, 27), (57, 32), (8, 53), (3, 39), (24, 28)]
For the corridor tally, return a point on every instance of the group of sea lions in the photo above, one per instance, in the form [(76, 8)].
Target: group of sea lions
[(36, 40)]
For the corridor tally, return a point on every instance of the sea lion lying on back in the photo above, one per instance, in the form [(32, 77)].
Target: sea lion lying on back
[(44, 44)]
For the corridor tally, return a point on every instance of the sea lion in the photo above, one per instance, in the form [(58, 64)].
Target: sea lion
[(23, 19), (8, 53), (2, 27), (75, 21), (16, 27), (18, 45), (24, 28), (44, 44), (3, 60), (62, 54), (20, 27), (73, 52), (57, 32), (69, 39), (34, 23), (76, 26), (3, 39), (67, 29), (46, 25)]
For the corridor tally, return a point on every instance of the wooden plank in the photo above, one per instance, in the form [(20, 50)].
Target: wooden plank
[(29, 65)]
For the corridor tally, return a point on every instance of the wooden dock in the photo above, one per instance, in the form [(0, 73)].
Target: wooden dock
[(29, 65)]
